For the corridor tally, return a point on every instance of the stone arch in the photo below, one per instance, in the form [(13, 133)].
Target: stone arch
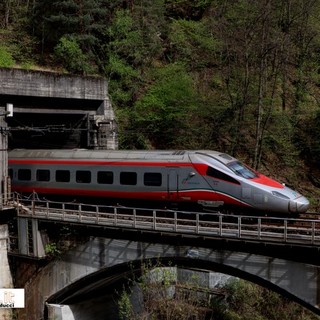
[(109, 276), (85, 263)]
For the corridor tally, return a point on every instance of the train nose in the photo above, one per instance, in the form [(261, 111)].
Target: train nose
[(300, 204)]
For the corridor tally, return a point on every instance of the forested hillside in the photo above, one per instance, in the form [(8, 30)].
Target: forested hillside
[(241, 76)]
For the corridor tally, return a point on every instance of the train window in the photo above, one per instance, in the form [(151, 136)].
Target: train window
[(214, 173), (43, 175), (24, 174), (105, 177), (153, 179), (242, 170), (128, 178), (83, 176), (63, 176)]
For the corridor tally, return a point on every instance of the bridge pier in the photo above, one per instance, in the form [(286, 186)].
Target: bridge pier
[(5, 272), (30, 239), (60, 312)]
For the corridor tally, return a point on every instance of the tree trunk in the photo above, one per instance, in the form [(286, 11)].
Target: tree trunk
[(7, 13)]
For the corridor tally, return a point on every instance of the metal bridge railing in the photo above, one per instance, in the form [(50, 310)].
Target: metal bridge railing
[(263, 229)]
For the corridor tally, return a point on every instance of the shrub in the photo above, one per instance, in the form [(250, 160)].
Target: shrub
[(6, 59), (69, 53)]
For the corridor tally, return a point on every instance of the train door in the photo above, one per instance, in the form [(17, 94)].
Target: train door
[(173, 184), (246, 193)]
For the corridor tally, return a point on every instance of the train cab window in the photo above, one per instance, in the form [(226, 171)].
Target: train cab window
[(43, 175), (128, 178), (24, 174), (153, 179), (214, 173), (63, 176), (83, 176), (242, 170), (105, 177)]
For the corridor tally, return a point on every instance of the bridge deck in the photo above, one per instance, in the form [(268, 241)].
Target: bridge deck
[(262, 229)]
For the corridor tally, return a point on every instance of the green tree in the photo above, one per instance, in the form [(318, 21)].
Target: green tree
[(70, 55), (82, 20), (123, 55), (259, 48), (150, 20), (246, 300), (163, 297), (192, 43), (6, 59), (167, 108), (134, 43), (187, 9)]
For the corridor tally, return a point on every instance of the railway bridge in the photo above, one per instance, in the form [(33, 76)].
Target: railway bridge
[(113, 242), (105, 244)]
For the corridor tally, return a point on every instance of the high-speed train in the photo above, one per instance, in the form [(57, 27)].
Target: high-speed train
[(188, 179)]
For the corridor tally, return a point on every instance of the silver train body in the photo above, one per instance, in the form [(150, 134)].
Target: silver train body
[(208, 179)]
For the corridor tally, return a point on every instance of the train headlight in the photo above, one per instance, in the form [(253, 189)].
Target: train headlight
[(280, 195)]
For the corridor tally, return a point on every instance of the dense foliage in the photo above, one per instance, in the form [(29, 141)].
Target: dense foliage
[(240, 76), (165, 296)]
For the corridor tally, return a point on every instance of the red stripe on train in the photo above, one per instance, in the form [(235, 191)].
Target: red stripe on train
[(180, 196), (261, 179)]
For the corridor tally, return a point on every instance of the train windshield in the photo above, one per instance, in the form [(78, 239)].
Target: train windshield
[(241, 170)]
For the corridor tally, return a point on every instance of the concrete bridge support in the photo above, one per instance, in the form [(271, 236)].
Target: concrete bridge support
[(31, 241), (92, 265), (5, 273)]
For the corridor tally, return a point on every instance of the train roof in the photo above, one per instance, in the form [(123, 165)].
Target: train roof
[(165, 155)]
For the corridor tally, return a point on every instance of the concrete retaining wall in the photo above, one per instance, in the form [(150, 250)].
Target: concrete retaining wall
[(50, 84)]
